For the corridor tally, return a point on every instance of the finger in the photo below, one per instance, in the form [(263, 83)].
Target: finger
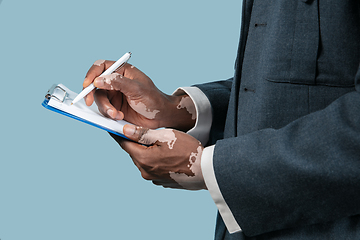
[(123, 68), (96, 70), (105, 107), (89, 99), (130, 71), (138, 134), (117, 82), (122, 142), (163, 181), (150, 137), (145, 175), (140, 156), (167, 184), (117, 100)]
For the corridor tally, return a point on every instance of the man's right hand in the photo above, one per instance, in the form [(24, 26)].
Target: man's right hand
[(131, 95)]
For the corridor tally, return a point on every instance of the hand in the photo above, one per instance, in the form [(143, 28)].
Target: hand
[(131, 95), (171, 158)]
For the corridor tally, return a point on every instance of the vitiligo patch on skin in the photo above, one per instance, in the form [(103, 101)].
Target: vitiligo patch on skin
[(188, 104), (99, 62), (194, 182), (143, 110), (111, 77), (163, 135)]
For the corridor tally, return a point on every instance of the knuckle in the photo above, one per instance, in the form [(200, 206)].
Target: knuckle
[(137, 88), (146, 176), (99, 62), (117, 81), (143, 162)]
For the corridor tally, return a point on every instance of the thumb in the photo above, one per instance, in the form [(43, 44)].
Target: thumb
[(149, 136), (138, 134)]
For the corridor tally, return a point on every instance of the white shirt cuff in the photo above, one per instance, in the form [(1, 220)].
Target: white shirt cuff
[(201, 132), (202, 127), (207, 168)]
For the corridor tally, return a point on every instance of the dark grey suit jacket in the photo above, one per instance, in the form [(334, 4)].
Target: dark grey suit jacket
[(287, 125)]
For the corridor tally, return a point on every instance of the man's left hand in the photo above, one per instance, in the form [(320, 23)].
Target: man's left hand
[(167, 157)]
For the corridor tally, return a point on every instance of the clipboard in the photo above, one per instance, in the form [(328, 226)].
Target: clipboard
[(58, 99)]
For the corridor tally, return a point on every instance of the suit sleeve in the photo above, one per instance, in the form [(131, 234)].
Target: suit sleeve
[(307, 172)]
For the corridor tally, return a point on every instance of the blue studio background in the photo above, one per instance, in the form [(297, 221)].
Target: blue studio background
[(62, 179)]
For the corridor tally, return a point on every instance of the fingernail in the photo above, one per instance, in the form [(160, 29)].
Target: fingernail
[(129, 130), (110, 112), (119, 116), (99, 82)]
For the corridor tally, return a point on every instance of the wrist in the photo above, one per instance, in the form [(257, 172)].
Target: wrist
[(180, 114)]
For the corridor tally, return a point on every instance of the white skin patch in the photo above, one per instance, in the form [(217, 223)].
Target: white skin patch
[(163, 135), (191, 182), (109, 78), (188, 104), (99, 62), (143, 110)]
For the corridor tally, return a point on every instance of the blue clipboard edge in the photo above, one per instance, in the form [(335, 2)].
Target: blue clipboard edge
[(45, 104)]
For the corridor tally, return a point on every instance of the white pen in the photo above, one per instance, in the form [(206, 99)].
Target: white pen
[(108, 71)]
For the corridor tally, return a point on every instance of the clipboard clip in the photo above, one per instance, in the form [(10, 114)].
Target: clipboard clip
[(57, 93)]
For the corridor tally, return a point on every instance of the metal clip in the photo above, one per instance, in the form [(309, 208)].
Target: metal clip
[(54, 92)]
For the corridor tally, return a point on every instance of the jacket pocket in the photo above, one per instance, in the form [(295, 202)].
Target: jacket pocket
[(292, 43)]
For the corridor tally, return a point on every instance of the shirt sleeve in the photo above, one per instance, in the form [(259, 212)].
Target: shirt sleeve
[(207, 168), (201, 132)]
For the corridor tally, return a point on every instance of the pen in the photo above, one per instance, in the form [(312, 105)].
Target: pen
[(108, 71)]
